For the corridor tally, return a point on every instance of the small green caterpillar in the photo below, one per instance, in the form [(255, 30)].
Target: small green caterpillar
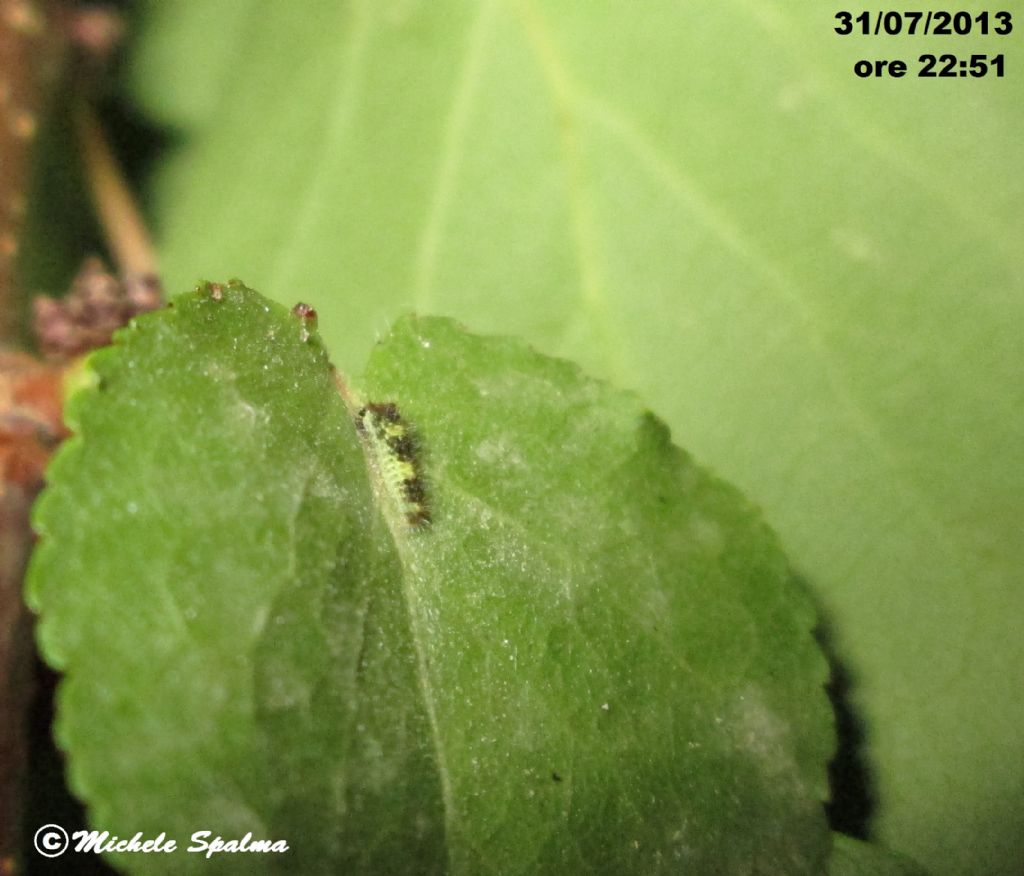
[(395, 451)]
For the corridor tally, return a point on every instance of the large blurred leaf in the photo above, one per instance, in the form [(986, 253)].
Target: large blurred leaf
[(593, 659), (818, 279)]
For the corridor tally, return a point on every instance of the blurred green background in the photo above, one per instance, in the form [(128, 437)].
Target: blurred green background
[(817, 280)]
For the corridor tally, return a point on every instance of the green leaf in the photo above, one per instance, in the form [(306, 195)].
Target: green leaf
[(817, 280), (592, 659), (852, 857)]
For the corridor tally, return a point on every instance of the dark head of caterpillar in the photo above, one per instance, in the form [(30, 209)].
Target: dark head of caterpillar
[(395, 450)]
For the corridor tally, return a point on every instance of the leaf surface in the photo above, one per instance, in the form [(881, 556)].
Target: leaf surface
[(852, 857), (593, 658)]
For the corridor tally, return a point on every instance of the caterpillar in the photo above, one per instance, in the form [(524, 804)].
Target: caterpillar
[(394, 448)]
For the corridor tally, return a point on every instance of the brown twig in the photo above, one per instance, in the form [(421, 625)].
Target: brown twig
[(31, 54)]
